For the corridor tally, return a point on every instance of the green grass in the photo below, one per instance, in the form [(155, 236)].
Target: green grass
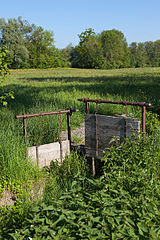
[(131, 191), (58, 89)]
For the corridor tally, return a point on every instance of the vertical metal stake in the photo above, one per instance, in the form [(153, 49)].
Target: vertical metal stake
[(25, 132), (144, 123), (60, 140), (69, 128), (87, 107), (40, 130)]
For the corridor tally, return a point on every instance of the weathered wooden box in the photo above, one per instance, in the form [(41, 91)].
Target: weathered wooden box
[(100, 129)]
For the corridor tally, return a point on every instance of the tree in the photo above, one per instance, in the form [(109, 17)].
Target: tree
[(42, 52), (150, 51), (153, 53), (138, 55), (88, 54), (13, 34), (133, 51), (67, 54), (29, 45), (115, 49), (157, 53)]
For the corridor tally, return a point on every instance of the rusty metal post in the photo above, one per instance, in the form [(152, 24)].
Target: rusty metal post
[(69, 128), (144, 123), (87, 107), (25, 132), (40, 130), (60, 140)]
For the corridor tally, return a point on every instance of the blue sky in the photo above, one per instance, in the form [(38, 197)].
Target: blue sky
[(139, 20)]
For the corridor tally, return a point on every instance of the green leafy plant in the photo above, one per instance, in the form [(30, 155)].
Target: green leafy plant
[(3, 75), (61, 176), (122, 204)]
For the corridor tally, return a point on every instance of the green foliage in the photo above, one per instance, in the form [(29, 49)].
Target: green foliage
[(61, 176), (88, 53), (122, 204), (106, 50), (152, 122), (138, 55), (66, 54), (29, 46), (14, 164), (3, 63), (12, 36), (115, 49), (42, 53), (109, 49), (3, 75), (153, 53)]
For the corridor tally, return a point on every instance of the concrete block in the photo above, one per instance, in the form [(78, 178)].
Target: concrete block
[(43, 155)]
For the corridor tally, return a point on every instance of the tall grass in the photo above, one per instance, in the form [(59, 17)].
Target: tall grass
[(14, 163), (100, 207), (58, 89)]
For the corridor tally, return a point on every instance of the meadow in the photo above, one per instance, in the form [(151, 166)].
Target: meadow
[(58, 89)]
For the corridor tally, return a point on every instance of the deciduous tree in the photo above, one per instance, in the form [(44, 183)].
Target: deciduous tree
[(13, 34), (115, 49)]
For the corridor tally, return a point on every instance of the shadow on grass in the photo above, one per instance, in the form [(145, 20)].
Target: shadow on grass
[(138, 88)]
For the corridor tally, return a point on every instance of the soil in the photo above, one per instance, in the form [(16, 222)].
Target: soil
[(7, 198)]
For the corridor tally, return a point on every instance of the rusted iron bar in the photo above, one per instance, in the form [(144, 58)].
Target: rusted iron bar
[(25, 132), (87, 107), (25, 129), (40, 130), (25, 116), (60, 140), (45, 113), (144, 122), (69, 128), (87, 100), (125, 103)]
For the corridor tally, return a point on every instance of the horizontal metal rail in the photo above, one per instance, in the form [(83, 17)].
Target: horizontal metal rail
[(45, 113), (25, 116), (141, 104)]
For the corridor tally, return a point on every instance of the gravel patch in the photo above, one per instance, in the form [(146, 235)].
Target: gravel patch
[(76, 134)]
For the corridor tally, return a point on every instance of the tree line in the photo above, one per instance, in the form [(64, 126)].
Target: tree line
[(30, 46)]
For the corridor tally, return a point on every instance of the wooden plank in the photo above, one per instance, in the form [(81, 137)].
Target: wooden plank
[(101, 129), (132, 126)]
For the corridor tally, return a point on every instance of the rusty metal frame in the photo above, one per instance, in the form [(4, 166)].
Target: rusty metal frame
[(25, 116), (125, 103)]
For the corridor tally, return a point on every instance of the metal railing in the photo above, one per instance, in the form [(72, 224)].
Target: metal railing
[(125, 103), (25, 116)]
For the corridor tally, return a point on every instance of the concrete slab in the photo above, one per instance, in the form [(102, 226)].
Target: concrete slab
[(43, 155)]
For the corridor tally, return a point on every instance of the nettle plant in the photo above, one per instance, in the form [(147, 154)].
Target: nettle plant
[(3, 75), (121, 204)]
